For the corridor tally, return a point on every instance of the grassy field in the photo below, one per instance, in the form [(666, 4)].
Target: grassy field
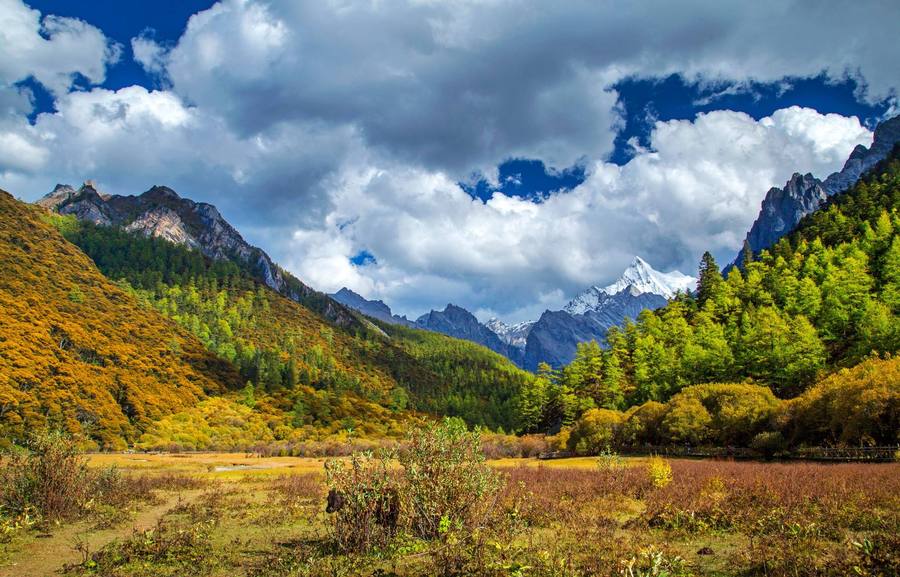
[(224, 514)]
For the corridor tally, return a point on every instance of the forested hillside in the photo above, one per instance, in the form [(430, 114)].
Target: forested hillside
[(79, 353), (302, 371), (477, 383), (827, 296)]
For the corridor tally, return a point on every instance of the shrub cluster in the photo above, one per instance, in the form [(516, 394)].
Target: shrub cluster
[(444, 490), (49, 477), (854, 407), (48, 480)]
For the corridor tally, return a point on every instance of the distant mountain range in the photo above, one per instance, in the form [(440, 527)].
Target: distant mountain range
[(554, 337), (453, 321), (782, 208)]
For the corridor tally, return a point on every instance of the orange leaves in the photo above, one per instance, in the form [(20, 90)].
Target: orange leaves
[(98, 363)]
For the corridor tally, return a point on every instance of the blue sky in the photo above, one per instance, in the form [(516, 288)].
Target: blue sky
[(646, 101), (501, 156)]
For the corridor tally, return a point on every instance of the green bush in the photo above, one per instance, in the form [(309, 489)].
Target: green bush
[(447, 483), (362, 489), (642, 424), (858, 406), (737, 411), (686, 421), (769, 443)]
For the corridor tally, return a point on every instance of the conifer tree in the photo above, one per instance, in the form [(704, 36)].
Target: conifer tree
[(710, 278)]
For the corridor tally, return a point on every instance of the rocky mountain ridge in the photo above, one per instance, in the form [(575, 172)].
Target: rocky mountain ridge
[(554, 337), (161, 212), (375, 309), (782, 208), (457, 322)]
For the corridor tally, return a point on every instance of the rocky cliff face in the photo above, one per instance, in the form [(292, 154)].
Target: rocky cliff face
[(160, 212), (782, 208)]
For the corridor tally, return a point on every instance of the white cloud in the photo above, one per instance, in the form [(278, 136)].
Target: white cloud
[(463, 85), (52, 50), (148, 53), (19, 153), (698, 189)]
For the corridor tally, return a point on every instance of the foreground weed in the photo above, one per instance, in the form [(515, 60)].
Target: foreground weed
[(166, 550), (660, 471), (654, 563)]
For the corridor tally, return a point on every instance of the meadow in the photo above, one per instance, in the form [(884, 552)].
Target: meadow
[(224, 514)]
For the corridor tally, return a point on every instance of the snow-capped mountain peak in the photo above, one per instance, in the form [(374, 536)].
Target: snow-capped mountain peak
[(512, 334), (648, 280), (638, 278)]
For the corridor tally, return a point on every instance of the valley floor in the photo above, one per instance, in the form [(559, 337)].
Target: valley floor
[(221, 514)]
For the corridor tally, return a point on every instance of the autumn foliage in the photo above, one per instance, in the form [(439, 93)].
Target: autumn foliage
[(78, 353)]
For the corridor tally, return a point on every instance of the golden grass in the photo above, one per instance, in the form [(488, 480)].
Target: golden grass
[(212, 465)]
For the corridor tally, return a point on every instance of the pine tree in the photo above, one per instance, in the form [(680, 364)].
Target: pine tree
[(710, 278)]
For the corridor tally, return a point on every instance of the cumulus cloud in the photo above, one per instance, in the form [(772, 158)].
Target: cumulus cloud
[(698, 188), (325, 128), (463, 84), (148, 53), (52, 49)]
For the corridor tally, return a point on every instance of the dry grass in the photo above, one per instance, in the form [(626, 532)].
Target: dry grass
[(558, 518)]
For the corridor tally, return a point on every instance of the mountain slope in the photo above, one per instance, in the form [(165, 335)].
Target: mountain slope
[(79, 353), (482, 386), (309, 376), (825, 296), (783, 208), (160, 212)]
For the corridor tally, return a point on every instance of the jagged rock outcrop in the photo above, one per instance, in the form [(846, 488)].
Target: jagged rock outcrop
[(375, 309), (783, 208), (161, 212)]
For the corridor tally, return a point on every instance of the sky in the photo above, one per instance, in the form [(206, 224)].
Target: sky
[(502, 155)]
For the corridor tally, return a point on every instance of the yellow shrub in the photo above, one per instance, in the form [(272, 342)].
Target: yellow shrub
[(659, 471)]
